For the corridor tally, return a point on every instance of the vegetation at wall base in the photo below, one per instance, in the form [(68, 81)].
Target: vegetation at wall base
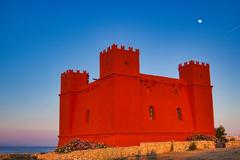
[(201, 137), (77, 144)]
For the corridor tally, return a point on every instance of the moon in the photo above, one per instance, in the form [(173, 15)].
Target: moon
[(200, 21)]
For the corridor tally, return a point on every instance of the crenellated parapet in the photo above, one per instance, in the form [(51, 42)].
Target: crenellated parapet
[(119, 60), (73, 80), (195, 72), (72, 72), (121, 48), (192, 62)]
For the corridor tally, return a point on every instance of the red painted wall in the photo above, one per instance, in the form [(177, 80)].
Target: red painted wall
[(125, 107)]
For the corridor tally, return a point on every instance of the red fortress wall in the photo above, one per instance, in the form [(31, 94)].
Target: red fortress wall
[(125, 107)]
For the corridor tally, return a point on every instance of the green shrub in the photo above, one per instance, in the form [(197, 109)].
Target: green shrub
[(220, 132)]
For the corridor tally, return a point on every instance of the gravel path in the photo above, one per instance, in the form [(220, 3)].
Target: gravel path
[(217, 154)]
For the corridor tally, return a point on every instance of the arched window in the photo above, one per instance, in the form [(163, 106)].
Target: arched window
[(151, 113), (179, 113), (87, 116)]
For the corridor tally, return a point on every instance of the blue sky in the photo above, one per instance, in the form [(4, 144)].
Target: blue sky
[(41, 39)]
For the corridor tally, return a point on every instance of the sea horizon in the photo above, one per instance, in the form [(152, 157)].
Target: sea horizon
[(25, 149)]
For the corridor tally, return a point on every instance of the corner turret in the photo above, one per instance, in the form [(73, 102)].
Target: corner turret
[(197, 76), (73, 80), (195, 73)]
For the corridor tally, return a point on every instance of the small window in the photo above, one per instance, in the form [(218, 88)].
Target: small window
[(149, 90), (87, 116), (201, 75), (151, 113), (176, 92), (179, 114)]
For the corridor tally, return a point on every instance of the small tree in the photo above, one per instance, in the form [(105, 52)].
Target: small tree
[(220, 133)]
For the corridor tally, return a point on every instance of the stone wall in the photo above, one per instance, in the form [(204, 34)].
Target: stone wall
[(201, 145), (232, 144), (156, 147), (120, 152)]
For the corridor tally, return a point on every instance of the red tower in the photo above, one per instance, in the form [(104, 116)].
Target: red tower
[(125, 107), (198, 78)]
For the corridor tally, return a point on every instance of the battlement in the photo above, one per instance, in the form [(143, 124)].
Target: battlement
[(118, 60), (195, 72), (192, 62), (71, 71), (73, 80), (121, 48)]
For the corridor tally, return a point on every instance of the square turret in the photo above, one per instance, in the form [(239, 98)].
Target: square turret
[(195, 73), (116, 60)]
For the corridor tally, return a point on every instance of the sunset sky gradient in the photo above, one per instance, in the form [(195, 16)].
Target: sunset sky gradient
[(41, 39)]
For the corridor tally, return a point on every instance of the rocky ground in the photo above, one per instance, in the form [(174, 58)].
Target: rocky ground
[(217, 154), (17, 157)]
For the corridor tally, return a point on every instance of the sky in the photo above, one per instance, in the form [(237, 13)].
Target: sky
[(41, 39)]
